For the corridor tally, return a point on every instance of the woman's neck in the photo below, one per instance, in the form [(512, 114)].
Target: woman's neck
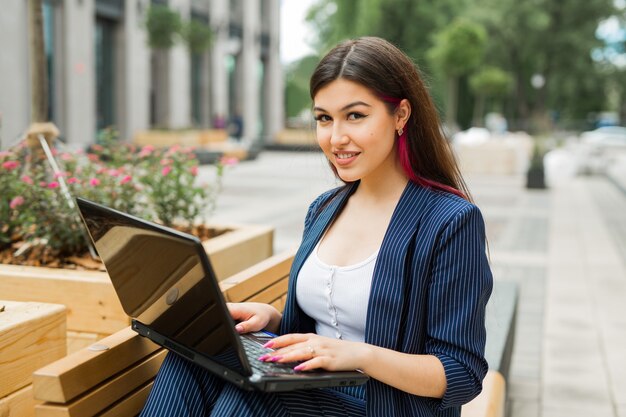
[(384, 186)]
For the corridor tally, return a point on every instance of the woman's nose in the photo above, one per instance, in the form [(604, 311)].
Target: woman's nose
[(338, 136)]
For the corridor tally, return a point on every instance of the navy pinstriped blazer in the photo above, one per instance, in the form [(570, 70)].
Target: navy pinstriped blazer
[(430, 287)]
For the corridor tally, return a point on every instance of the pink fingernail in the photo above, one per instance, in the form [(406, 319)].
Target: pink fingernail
[(276, 358), (269, 344), (264, 357), (298, 368)]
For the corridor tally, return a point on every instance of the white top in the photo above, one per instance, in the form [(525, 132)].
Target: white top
[(336, 297)]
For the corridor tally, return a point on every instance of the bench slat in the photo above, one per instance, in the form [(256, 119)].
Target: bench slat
[(272, 293), (115, 389), (73, 375), (131, 405), (255, 279)]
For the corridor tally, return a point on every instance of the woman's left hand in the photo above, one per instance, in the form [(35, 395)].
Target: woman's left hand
[(317, 352)]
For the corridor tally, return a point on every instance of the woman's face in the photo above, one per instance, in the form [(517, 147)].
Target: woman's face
[(356, 131)]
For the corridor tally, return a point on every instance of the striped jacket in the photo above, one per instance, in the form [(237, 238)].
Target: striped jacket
[(430, 287)]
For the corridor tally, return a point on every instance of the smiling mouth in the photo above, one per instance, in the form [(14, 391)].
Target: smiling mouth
[(346, 155)]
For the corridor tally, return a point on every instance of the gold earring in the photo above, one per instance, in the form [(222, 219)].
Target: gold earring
[(400, 132)]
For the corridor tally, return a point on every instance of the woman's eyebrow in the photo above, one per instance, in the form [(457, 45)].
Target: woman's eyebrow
[(344, 108)]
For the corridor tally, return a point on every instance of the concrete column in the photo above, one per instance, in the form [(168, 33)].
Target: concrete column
[(250, 65), (273, 84), (134, 89), (219, 15), (206, 119), (14, 72), (179, 78), (79, 78)]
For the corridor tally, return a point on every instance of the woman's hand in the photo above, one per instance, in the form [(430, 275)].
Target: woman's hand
[(422, 375), (317, 352), (253, 317)]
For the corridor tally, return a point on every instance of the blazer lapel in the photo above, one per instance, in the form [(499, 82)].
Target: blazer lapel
[(298, 321), (388, 291)]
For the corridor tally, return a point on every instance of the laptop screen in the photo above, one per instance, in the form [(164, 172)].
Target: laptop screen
[(162, 281)]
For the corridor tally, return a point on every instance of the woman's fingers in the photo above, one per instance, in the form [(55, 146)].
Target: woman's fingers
[(288, 340), (252, 317)]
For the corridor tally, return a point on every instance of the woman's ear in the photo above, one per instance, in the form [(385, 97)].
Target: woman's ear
[(403, 112)]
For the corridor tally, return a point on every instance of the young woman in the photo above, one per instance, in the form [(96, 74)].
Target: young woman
[(391, 277)]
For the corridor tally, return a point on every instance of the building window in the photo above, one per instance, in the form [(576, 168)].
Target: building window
[(105, 72)]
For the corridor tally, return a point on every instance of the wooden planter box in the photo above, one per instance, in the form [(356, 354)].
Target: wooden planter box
[(93, 309), (209, 140), (167, 138), (31, 335)]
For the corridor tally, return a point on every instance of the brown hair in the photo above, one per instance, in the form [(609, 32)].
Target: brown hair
[(383, 68)]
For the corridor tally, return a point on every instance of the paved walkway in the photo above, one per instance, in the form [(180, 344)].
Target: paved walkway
[(565, 247)]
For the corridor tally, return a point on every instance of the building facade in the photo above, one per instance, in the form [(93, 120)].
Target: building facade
[(102, 72)]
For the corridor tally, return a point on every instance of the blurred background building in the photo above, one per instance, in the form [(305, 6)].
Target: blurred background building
[(103, 73)]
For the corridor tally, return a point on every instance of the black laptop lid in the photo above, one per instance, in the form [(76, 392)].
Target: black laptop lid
[(164, 280)]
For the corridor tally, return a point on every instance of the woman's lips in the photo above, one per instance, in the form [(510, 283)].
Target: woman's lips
[(345, 158)]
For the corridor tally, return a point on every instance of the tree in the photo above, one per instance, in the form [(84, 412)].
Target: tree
[(297, 85), (553, 38), (489, 82), (457, 51)]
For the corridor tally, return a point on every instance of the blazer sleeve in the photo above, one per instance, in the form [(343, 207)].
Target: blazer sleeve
[(461, 283)]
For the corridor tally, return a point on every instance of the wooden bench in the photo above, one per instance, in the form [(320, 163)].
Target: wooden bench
[(114, 376), (500, 324)]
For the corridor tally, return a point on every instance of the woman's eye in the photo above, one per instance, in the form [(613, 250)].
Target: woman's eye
[(322, 118), (355, 116)]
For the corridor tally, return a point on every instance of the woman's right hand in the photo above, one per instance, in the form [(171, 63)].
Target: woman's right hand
[(253, 317)]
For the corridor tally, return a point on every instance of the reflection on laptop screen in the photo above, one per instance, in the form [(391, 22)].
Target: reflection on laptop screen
[(160, 281)]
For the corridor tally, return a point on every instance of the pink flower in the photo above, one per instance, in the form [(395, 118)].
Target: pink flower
[(73, 180), (59, 174), (53, 184), (114, 172), (126, 179), (92, 157), (4, 154), (226, 160), (172, 150), (10, 165), (146, 151), (97, 148), (26, 179), (166, 161), (166, 170), (67, 156), (94, 182), (16, 202), (194, 170)]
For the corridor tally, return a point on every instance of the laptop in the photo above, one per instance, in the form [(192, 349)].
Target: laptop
[(166, 285)]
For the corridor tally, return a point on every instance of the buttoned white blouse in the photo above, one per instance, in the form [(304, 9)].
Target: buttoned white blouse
[(336, 297)]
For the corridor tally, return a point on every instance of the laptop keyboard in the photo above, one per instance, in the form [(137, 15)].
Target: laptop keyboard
[(254, 350)]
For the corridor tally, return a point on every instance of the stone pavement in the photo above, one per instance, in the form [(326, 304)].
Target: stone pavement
[(565, 247)]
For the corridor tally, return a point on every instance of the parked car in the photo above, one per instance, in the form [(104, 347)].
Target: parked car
[(605, 136), (602, 147)]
